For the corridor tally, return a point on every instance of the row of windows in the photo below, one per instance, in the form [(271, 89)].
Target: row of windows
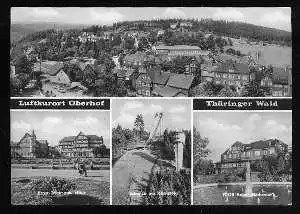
[(248, 154), (266, 82), (141, 83), (231, 76), (230, 165), (179, 52), (144, 92), (280, 94)]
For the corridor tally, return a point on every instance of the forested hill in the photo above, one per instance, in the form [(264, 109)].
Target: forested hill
[(250, 31), (217, 27), (20, 30), (225, 28)]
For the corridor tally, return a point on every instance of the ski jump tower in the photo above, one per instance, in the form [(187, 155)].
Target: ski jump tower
[(179, 143)]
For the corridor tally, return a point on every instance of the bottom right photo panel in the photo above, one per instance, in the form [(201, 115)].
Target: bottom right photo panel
[(242, 158)]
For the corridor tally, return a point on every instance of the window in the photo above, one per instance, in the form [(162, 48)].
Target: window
[(257, 153)]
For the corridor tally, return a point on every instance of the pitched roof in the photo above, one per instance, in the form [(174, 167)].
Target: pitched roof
[(181, 81), (159, 77), (166, 91), (280, 76), (69, 138), (261, 144), (82, 65), (138, 56), (93, 137), (240, 68), (78, 84), (48, 67)]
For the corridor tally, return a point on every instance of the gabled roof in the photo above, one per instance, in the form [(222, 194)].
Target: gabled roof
[(78, 84), (181, 81), (69, 138), (82, 65)]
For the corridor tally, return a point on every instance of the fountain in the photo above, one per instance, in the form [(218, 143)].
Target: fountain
[(248, 191)]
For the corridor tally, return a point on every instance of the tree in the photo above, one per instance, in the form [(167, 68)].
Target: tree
[(18, 83), (129, 43), (200, 151), (139, 124), (253, 89), (23, 65), (143, 44), (199, 146), (119, 142), (106, 60)]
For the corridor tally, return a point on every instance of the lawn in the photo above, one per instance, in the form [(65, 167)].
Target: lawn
[(91, 193)]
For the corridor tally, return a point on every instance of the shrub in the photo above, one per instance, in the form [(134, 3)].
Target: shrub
[(177, 184), (52, 184)]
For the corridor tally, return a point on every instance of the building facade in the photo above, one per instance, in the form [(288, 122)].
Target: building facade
[(30, 147), (179, 50), (231, 73), (238, 154), (80, 146), (143, 83)]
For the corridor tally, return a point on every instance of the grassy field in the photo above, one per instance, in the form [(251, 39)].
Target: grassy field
[(94, 193), (271, 54)]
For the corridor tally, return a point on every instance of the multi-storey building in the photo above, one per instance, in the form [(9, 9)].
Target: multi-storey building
[(179, 50), (143, 83), (236, 156), (282, 82), (80, 146), (231, 73), (30, 147)]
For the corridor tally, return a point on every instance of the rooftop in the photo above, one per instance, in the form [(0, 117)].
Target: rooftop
[(48, 67), (181, 81), (166, 91)]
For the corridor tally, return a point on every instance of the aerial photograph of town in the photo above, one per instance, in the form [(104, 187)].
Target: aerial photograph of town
[(60, 158), (242, 158), (151, 152), (150, 52)]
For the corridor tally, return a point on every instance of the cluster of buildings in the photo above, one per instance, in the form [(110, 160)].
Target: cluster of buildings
[(72, 146), (69, 74), (238, 154), (80, 145)]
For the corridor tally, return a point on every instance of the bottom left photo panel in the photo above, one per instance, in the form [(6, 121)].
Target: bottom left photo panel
[(60, 157)]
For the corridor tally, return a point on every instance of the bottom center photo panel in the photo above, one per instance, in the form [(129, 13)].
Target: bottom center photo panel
[(151, 152)]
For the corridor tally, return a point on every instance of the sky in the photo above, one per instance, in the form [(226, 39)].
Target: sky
[(275, 17), (177, 113), (54, 125), (224, 128)]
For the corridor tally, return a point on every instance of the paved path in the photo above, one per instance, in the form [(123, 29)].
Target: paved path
[(129, 172), (98, 175)]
